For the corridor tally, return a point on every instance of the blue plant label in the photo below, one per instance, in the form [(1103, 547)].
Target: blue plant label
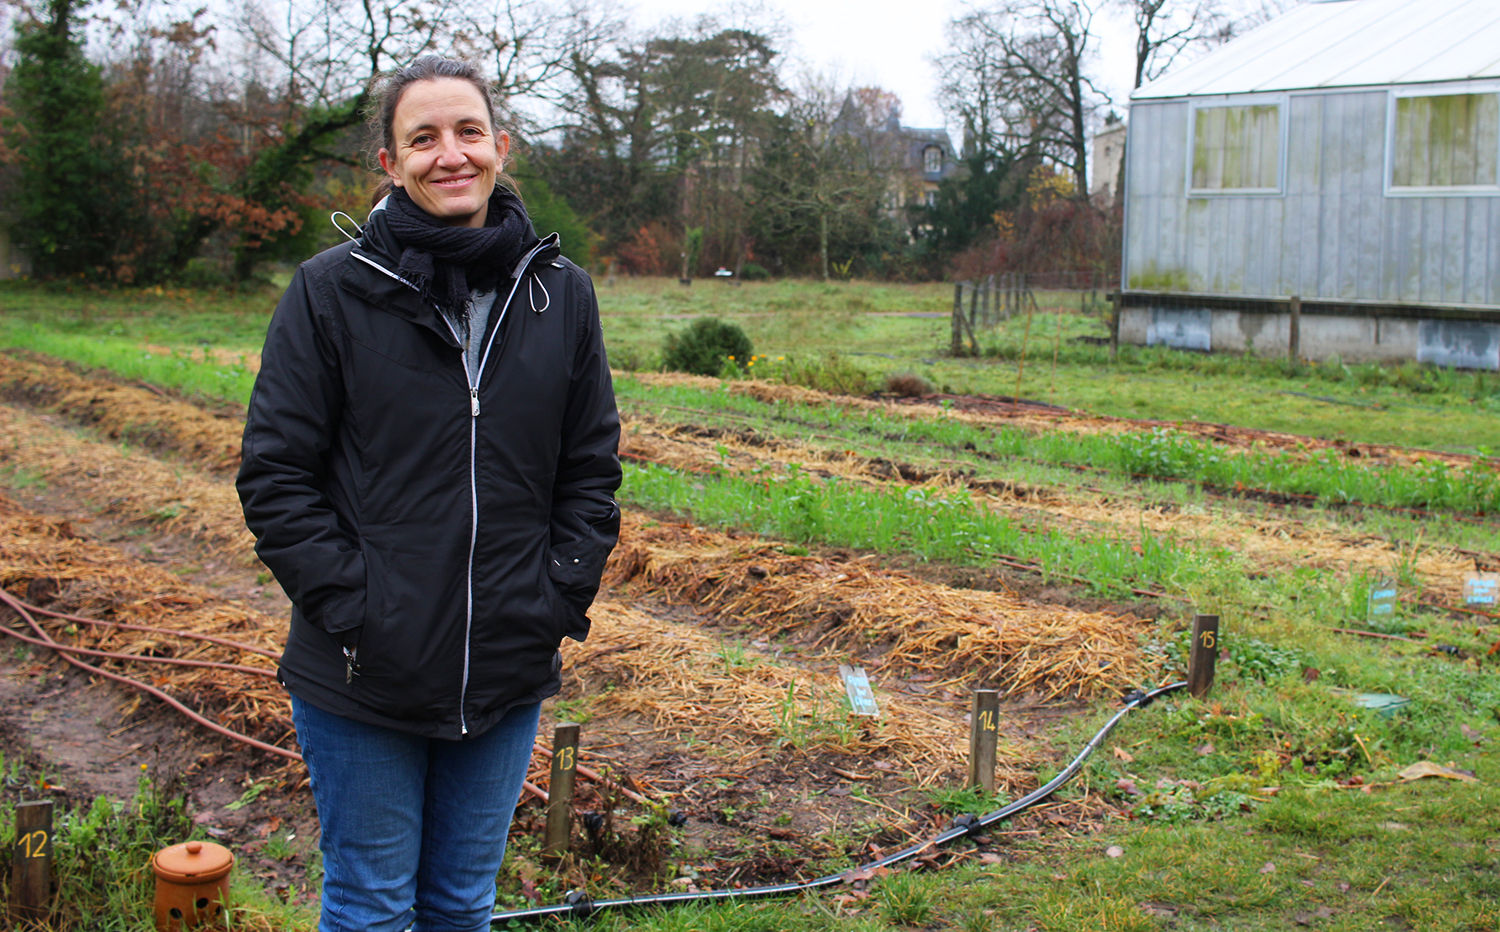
[(1382, 599), (857, 687), (1480, 590)]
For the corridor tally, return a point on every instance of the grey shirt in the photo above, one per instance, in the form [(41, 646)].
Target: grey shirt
[(480, 305)]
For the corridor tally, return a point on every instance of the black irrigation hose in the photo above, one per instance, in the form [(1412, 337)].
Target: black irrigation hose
[(580, 906)]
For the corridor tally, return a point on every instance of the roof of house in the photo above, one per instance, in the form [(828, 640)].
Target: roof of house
[(1348, 43)]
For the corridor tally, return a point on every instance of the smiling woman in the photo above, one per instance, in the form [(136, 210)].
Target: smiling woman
[(437, 539)]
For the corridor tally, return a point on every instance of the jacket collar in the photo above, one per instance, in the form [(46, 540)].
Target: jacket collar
[(370, 273)]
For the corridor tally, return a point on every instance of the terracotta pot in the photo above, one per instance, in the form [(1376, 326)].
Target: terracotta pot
[(192, 884)]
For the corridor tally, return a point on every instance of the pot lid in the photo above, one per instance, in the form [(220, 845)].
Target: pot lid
[(192, 862)]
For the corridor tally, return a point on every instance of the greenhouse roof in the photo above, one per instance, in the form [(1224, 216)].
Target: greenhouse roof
[(1348, 43)]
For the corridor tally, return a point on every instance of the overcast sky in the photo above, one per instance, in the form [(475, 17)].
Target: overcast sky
[(890, 43)]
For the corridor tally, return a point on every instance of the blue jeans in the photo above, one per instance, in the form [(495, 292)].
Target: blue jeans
[(412, 823)]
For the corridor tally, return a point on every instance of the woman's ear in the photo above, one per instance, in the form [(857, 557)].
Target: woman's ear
[(502, 146), (384, 155)]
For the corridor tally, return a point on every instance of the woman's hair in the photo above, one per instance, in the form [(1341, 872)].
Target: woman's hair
[(385, 93)]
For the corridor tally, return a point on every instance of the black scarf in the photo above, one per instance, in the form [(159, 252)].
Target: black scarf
[(445, 262)]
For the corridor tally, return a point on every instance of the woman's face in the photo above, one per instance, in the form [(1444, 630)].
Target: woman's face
[(447, 153)]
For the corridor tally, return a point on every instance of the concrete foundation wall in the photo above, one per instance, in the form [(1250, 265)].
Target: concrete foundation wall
[(1461, 344)]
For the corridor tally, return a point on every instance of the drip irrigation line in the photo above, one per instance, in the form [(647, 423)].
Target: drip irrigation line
[(580, 906), (191, 635), (111, 655), (20, 608)]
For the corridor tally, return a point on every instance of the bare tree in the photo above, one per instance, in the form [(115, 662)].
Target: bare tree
[(1165, 29), (825, 165), (1031, 56)]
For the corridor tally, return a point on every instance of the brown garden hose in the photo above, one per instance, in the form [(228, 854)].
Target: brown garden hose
[(43, 639)]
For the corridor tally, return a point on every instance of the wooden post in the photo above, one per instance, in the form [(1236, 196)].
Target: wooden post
[(984, 727), (1204, 653), (974, 303), (1294, 344), (31, 865), (560, 789), (958, 313), (1114, 324)]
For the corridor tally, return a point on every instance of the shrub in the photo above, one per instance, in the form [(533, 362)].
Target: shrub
[(704, 346), (754, 272), (907, 385)]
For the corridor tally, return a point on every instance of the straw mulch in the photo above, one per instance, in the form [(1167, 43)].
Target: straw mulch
[(124, 412), (1027, 418), (750, 705), (890, 620), (132, 486), (43, 560)]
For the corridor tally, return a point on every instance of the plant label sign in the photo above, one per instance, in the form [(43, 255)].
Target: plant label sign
[(1480, 590), (857, 687), (1382, 599)]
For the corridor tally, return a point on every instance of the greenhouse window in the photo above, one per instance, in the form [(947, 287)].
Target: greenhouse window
[(1450, 143), (1236, 149)]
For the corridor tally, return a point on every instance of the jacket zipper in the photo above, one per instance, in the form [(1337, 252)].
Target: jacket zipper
[(473, 383)]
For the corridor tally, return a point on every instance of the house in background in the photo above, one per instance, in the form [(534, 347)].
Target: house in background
[(1346, 153), (917, 160), (924, 157), (1105, 161)]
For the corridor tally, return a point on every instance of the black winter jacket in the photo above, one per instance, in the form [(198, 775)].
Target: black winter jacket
[(447, 536)]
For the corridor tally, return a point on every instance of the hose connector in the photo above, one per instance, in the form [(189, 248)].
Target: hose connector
[(971, 824), (581, 905)]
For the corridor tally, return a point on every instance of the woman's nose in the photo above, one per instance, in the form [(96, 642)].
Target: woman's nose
[(450, 153)]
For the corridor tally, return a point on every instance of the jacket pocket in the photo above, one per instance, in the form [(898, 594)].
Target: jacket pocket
[(575, 569)]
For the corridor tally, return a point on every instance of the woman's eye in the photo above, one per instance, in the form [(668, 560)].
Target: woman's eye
[(421, 140), (472, 131)]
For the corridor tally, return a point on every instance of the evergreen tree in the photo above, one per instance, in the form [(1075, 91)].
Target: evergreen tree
[(69, 196)]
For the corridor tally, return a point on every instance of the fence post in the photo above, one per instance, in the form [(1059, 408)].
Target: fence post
[(958, 311), (1294, 343), (560, 789), (31, 864), (1114, 325), (1204, 653), (984, 726)]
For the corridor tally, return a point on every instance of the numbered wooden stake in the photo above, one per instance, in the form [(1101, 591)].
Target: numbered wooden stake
[(1203, 655), (560, 790), (984, 726), (31, 864)]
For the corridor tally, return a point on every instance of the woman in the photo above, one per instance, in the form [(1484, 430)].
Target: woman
[(429, 469)]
